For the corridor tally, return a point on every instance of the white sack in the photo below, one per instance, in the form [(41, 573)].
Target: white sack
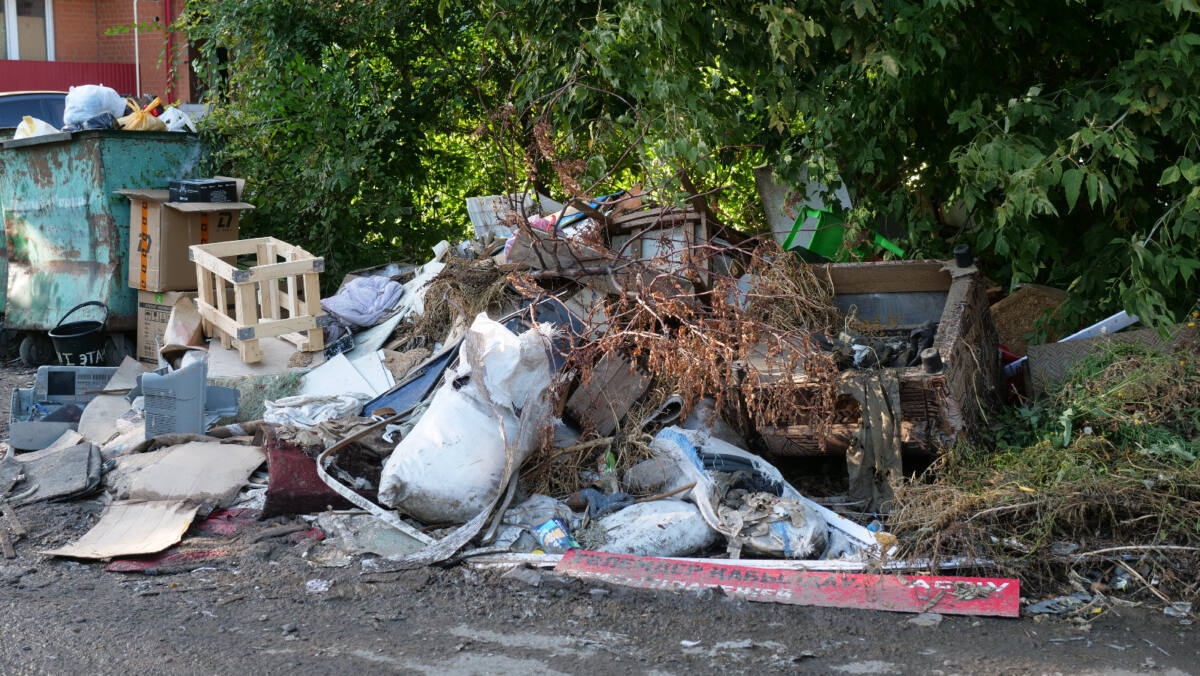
[(658, 528), (450, 466)]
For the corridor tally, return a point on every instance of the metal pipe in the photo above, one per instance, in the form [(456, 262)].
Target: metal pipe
[(170, 52), (1105, 326), (137, 54)]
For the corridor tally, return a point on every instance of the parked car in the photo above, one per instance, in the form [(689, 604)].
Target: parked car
[(46, 106)]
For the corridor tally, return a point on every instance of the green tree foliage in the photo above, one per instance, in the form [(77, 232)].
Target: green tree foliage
[(1056, 136), (353, 122)]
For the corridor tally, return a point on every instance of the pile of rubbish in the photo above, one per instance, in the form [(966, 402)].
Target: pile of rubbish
[(611, 376), (99, 107)]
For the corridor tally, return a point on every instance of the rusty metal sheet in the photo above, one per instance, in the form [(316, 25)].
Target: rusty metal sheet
[(66, 230)]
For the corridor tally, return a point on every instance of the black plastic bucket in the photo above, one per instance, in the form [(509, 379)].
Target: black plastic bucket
[(80, 343)]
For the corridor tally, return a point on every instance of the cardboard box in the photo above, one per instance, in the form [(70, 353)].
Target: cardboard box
[(153, 311), (202, 190), (160, 233)]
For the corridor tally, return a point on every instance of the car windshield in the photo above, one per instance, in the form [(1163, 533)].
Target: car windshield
[(45, 107)]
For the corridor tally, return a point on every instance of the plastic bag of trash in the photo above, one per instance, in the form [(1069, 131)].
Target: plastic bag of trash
[(657, 528), (104, 120), (141, 119), (804, 527), (31, 126), (308, 411), (364, 301), (177, 120), (449, 467), (87, 101)]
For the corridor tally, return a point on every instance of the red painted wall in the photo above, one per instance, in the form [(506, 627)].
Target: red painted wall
[(62, 75)]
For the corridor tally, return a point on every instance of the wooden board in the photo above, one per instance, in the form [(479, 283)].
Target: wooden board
[(603, 401)]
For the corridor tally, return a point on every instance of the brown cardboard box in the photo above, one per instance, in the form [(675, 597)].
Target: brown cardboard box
[(153, 311), (160, 233)]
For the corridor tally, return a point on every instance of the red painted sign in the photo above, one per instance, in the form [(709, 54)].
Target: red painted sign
[(898, 592)]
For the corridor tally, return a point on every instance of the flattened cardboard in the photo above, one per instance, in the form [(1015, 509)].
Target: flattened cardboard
[(132, 527), (160, 233), (198, 471), (98, 424)]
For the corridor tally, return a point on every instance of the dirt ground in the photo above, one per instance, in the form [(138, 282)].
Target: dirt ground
[(258, 609)]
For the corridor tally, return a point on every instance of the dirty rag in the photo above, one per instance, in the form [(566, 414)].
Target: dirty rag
[(364, 301)]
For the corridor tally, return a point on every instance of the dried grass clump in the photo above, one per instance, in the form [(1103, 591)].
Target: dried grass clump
[(561, 471), (1107, 465), (463, 289)]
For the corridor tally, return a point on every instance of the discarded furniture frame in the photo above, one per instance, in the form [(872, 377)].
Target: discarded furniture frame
[(934, 407), (279, 296)]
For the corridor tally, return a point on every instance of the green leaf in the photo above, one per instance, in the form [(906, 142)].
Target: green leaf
[(1071, 180), (1169, 175)]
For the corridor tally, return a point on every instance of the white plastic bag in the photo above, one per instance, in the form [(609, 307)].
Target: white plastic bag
[(177, 120), (307, 412), (693, 450), (449, 467), (658, 528), (87, 101), (31, 126)]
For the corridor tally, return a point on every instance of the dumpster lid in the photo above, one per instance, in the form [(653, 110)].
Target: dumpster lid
[(161, 197)]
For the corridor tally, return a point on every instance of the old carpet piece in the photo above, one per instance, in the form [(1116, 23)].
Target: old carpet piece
[(873, 460)]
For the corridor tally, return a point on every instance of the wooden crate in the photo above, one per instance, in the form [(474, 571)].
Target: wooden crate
[(279, 296), (934, 408)]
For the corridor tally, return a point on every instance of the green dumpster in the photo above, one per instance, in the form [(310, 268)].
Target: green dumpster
[(66, 230)]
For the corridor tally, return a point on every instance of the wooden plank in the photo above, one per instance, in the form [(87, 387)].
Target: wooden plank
[(204, 286), (605, 399), (237, 247), (279, 327), (312, 299), (894, 592), (293, 295), (219, 320), (277, 270), (889, 277), (245, 309), (269, 290), (212, 263)]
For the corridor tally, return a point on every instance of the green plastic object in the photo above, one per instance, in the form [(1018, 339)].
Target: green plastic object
[(826, 237), (67, 231)]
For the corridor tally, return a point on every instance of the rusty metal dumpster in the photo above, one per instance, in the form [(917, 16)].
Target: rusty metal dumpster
[(67, 231)]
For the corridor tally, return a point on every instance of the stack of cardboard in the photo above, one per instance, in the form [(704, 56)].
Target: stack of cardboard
[(160, 232)]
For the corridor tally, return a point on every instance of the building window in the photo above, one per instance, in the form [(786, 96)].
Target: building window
[(27, 32)]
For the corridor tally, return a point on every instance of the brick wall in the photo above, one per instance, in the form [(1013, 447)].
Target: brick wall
[(75, 31), (80, 28)]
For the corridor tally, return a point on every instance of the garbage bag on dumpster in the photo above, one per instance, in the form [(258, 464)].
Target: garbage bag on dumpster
[(141, 119), (449, 467), (87, 101), (31, 126)]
